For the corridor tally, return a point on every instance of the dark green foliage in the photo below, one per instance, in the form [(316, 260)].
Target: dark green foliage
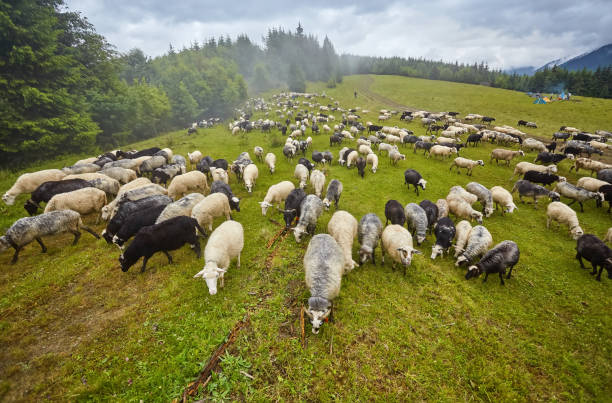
[(296, 79)]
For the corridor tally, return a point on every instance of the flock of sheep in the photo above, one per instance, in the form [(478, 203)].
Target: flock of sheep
[(163, 219)]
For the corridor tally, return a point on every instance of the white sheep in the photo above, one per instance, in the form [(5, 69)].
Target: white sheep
[(317, 180), (351, 159), (563, 214), (120, 174), (589, 164), (194, 181), (505, 155), (343, 228), (225, 243), (271, 162), (212, 206), (463, 233), (372, 159), (181, 207), (397, 242), (503, 198), (364, 142), (533, 144), (461, 193), (462, 209), (608, 237), (590, 184), (442, 151), (249, 176), (219, 174), (395, 156), (386, 147), (599, 145), (301, 173), (276, 195), (365, 149), (466, 163), (84, 201), (522, 167), (442, 205), (89, 160), (478, 243), (195, 157), (27, 183)]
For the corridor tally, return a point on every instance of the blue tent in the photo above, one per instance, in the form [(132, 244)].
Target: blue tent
[(539, 101)]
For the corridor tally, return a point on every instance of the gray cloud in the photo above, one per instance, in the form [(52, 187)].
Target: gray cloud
[(503, 34)]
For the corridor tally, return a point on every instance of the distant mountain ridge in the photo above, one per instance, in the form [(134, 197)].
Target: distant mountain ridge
[(600, 57)]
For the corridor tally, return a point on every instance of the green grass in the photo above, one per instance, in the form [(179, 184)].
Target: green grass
[(74, 327)]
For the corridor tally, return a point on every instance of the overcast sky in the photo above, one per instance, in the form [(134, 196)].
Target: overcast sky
[(502, 33)]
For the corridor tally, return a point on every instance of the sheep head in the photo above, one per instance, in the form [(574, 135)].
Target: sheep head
[(298, 233), (264, 207), (473, 271), (318, 311), (476, 215), (8, 199), (365, 253), (436, 251), (211, 274), (405, 254), (422, 183), (576, 232)]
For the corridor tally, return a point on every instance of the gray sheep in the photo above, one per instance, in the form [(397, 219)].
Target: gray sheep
[(334, 190), (484, 196), (528, 189), (578, 194), (368, 234), (416, 219), (310, 211), (505, 254), (479, 241)]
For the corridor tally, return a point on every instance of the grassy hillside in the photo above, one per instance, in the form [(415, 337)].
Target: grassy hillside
[(74, 327)]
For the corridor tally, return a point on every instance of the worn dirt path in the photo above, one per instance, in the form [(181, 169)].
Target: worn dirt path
[(363, 89)]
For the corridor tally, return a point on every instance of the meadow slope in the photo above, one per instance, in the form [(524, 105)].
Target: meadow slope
[(74, 327)]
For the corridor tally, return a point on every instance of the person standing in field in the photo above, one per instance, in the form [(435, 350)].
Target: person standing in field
[(355, 93)]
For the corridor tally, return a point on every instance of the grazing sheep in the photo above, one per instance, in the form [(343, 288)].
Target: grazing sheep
[(195, 157), (167, 173), (369, 232), (225, 243), (306, 163), (120, 174), (547, 158), (317, 180), (442, 206), (468, 164), (479, 241), (528, 189), (542, 178), (588, 164), (523, 167), (462, 209), (183, 206), (505, 254), (504, 155), (27, 183), (395, 156), (351, 158), (212, 206), (343, 228), (27, 229), (414, 178), (595, 251), (605, 175), (484, 197), (84, 201), (276, 195), (365, 149), (163, 237), (310, 211), (271, 162), (333, 193), (47, 190), (289, 151), (126, 164), (432, 213), (258, 151), (445, 233), (462, 235), (590, 184), (128, 193), (222, 187), (128, 208), (501, 197), (251, 173), (329, 157), (301, 173), (394, 212), (136, 221), (533, 144), (578, 194), (386, 147), (443, 151), (194, 181), (81, 169), (323, 267), (397, 242), (372, 159), (416, 219), (152, 163), (293, 205), (561, 213), (461, 193)]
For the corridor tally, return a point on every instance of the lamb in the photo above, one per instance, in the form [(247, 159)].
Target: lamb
[(523, 167), (397, 242), (533, 144), (120, 174), (369, 232), (47, 190), (542, 177), (445, 233), (132, 194), (561, 213), (271, 162), (27, 183), (463, 230), (526, 188), (27, 229), (343, 228), (225, 243), (251, 173), (588, 164), (505, 254), (84, 201), (333, 193), (293, 206), (163, 237), (301, 173), (323, 267), (189, 182), (372, 159), (501, 197), (590, 184), (578, 194), (183, 206), (416, 219), (149, 165), (136, 221), (195, 157), (276, 195), (431, 210), (317, 180), (461, 162), (504, 155), (128, 208), (479, 241), (595, 251), (484, 196), (81, 169), (394, 212), (258, 151), (442, 206), (395, 156), (414, 178), (443, 151), (310, 210), (212, 206)]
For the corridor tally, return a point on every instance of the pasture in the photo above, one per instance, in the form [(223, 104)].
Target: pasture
[(74, 327)]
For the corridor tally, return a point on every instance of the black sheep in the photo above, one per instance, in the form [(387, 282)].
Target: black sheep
[(413, 177), (222, 187), (605, 175), (47, 190), (346, 154), (410, 139), (474, 139), (361, 164), (432, 213), (560, 136), (304, 161), (445, 233), (394, 211), (540, 177), (572, 150), (317, 157), (549, 158), (166, 236), (505, 254), (292, 206), (137, 220), (129, 207), (595, 251), (138, 154), (335, 139), (422, 145), (329, 157), (607, 192), (203, 166), (552, 147), (220, 163)]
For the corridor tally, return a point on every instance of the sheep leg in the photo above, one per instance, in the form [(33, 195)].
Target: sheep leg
[(168, 256), (510, 272), (579, 258), (196, 247), (594, 269), (42, 245), (599, 274), (485, 277), (581, 208), (77, 235), (144, 264), (16, 255), (501, 276)]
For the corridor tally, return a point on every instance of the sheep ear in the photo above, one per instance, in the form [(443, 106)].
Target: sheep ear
[(418, 252), (307, 312), (199, 274)]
